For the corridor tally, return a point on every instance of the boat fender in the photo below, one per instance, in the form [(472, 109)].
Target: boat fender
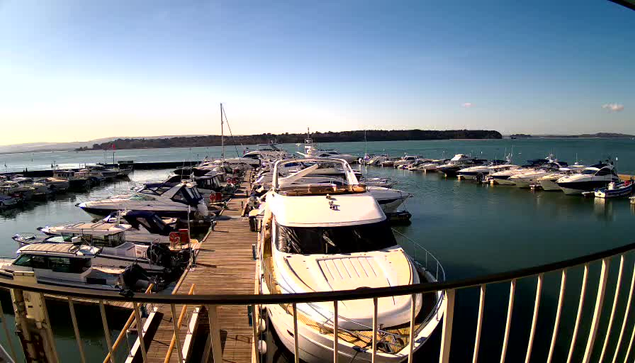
[(262, 325), (262, 347)]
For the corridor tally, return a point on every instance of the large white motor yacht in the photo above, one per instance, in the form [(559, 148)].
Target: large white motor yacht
[(311, 150), (138, 227), (591, 178), (181, 201), (481, 171), (329, 237), (532, 176), (69, 265)]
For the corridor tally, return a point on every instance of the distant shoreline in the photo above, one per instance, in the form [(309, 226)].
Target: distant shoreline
[(286, 138), (599, 135), (507, 137)]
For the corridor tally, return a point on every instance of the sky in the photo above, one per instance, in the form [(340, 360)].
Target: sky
[(83, 70)]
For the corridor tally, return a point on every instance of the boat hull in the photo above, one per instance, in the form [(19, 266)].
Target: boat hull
[(315, 347), (614, 193), (575, 188)]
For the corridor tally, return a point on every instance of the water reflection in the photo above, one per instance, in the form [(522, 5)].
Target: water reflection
[(603, 209)]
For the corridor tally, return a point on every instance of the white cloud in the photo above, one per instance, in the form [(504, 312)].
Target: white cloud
[(613, 107), (467, 104)]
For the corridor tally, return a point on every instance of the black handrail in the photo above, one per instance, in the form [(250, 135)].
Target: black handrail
[(365, 293)]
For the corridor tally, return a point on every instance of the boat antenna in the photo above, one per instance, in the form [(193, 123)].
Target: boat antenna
[(224, 117), (222, 135)]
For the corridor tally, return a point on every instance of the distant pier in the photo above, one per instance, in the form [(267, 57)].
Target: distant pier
[(150, 165)]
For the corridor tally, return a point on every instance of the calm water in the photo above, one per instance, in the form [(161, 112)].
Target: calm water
[(473, 229), (586, 151)]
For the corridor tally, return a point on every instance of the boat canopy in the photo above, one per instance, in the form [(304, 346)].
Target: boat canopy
[(325, 210), (149, 220)]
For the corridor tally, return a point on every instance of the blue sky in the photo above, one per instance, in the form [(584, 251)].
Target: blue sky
[(80, 70)]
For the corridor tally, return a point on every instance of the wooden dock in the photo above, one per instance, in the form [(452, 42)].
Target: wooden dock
[(224, 265)]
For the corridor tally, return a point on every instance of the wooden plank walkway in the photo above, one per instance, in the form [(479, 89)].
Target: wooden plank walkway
[(224, 265)]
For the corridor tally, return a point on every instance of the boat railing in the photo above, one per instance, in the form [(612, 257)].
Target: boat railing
[(607, 333), (422, 257)]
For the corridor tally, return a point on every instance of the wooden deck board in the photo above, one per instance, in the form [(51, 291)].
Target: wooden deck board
[(224, 265)]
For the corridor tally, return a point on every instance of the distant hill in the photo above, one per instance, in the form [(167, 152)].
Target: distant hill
[(343, 136), (597, 135)]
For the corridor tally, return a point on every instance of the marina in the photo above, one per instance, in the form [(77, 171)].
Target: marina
[(226, 254), (400, 182)]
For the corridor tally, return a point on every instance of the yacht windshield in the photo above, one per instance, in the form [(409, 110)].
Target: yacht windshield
[(335, 240)]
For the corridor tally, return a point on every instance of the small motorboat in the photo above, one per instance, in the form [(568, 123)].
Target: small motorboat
[(615, 190)]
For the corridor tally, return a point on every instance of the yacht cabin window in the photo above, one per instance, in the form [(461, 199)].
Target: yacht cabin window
[(334, 240), (54, 263)]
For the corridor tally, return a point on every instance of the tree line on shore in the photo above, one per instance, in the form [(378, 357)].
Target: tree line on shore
[(287, 138)]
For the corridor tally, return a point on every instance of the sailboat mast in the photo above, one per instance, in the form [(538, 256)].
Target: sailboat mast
[(222, 135)]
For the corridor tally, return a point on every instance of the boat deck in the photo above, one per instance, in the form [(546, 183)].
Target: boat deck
[(224, 265)]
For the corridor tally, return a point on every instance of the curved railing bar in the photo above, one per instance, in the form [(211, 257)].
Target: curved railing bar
[(358, 294)]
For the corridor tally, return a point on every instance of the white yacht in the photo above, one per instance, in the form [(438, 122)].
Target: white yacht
[(405, 160), (502, 177), (591, 178), (70, 265), (55, 184), (320, 237), (549, 182), (376, 160), (481, 171), (14, 189), (154, 259), (312, 151), (139, 227), (458, 162), (532, 176), (431, 166), (76, 180), (389, 199), (181, 201)]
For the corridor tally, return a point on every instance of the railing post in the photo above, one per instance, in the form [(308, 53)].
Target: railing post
[(6, 333), (630, 345), (556, 324), (446, 336), (508, 321), (579, 315), (336, 331), (49, 328), (374, 341), (142, 343), (411, 338), (618, 285), (479, 324), (104, 322), (78, 337), (177, 327), (534, 319), (597, 311), (214, 330), (626, 313), (296, 339)]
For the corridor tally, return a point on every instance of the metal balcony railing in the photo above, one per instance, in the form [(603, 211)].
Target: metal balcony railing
[(616, 333)]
